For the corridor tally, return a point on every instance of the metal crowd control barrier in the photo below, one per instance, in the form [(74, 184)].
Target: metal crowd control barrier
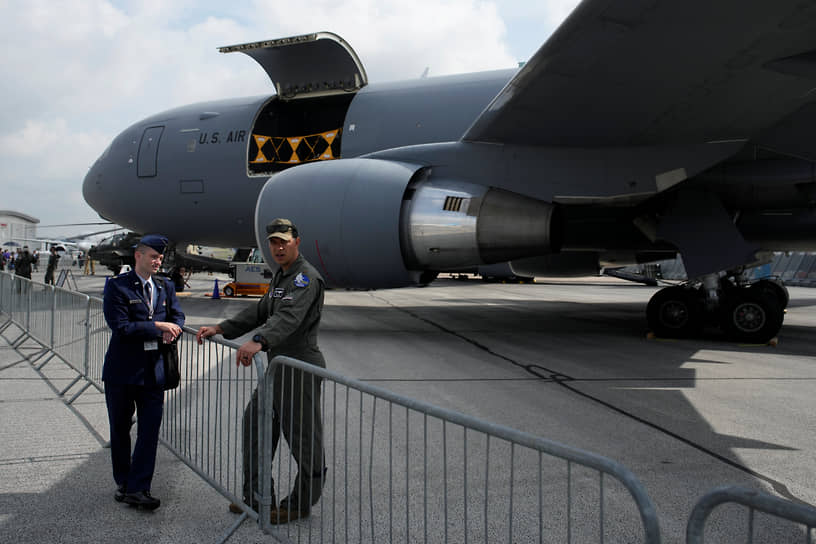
[(401, 470), (397, 469), (200, 417), (69, 325), (203, 416), (755, 501)]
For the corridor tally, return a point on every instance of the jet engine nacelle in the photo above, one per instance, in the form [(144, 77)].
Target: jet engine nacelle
[(378, 223)]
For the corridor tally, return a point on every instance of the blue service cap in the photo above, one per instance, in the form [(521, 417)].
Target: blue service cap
[(155, 241)]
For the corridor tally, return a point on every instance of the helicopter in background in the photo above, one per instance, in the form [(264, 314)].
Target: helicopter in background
[(115, 251)]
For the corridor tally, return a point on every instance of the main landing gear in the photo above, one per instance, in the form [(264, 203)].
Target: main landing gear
[(744, 311)]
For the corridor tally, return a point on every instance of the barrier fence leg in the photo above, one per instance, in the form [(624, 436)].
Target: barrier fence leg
[(86, 358), (53, 316), (266, 410), (28, 291)]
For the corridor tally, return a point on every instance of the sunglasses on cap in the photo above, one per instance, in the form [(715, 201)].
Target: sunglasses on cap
[(272, 229)]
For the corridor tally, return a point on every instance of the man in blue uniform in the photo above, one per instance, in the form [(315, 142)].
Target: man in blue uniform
[(142, 310)]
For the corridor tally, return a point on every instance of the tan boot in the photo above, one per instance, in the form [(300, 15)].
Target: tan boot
[(283, 515)]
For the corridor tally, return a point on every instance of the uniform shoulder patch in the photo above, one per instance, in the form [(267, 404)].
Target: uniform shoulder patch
[(301, 280)]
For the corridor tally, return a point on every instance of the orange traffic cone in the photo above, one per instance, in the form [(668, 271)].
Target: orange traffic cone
[(216, 293)]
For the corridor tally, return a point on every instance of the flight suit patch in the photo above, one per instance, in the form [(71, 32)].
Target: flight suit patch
[(278, 292), (301, 280)]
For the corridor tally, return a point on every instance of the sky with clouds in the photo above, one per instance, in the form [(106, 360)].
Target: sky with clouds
[(75, 73)]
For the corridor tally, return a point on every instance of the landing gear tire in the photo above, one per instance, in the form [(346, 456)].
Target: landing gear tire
[(774, 288), (752, 315), (228, 291), (674, 312)]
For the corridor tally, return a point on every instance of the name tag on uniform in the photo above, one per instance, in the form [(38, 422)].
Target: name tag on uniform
[(135, 301), (278, 292), (151, 345)]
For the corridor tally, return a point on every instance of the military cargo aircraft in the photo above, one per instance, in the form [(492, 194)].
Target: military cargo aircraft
[(638, 131)]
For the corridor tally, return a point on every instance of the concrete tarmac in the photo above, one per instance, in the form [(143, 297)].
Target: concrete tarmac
[(568, 360)]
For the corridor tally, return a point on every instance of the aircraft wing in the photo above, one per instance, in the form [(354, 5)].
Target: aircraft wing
[(73, 241), (50, 242), (648, 73)]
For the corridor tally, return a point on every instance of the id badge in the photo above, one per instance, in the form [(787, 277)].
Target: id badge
[(151, 345)]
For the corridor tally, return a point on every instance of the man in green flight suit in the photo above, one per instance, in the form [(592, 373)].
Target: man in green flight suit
[(286, 321)]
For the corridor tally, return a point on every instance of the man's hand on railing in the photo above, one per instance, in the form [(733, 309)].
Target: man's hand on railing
[(246, 352), (168, 328), (206, 332)]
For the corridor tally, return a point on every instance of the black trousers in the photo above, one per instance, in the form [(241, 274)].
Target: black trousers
[(134, 470), (296, 404)]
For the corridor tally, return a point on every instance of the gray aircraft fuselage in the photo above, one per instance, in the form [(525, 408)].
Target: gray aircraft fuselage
[(185, 172), (189, 173)]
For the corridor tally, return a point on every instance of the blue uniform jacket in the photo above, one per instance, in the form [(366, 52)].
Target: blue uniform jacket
[(126, 312)]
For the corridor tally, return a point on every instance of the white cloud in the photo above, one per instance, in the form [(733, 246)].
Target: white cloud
[(67, 23), (42, 167), (56, 147)]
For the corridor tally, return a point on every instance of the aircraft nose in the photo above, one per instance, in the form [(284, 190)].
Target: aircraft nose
[(108, 179), (96, 186), (91, 185)]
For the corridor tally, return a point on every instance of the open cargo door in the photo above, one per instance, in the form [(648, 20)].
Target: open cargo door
[(310, 65)]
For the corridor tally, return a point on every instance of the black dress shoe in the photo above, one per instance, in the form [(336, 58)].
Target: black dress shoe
[(142, 499), (119, 496)]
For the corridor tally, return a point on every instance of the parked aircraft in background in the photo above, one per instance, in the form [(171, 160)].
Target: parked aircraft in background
[(201, 259), (116, 251), (81, 242), (637, 131)]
